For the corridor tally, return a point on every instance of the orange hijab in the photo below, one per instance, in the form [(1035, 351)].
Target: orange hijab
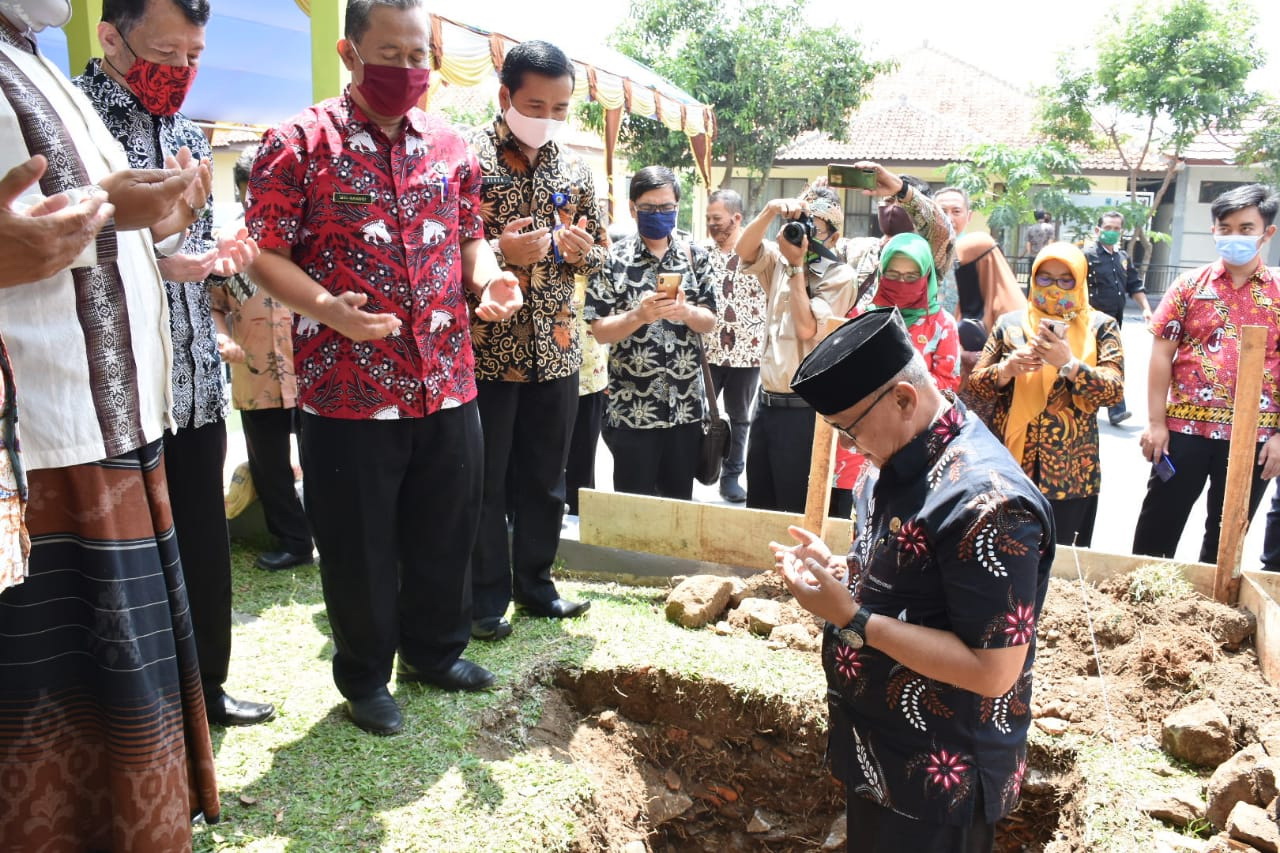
[(1031, 390)]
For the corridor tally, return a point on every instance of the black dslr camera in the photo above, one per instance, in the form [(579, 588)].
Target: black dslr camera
[(794, 230)]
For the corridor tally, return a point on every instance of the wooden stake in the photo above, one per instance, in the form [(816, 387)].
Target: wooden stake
[(1244, 436), (821, 461)]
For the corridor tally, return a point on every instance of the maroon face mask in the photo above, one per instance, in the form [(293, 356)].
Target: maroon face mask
[(160, 88), (390, 90), (894, 220)]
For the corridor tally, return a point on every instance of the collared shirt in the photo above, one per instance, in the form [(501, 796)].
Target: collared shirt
[(862, 254), (738, 337), (1112, 278), (362, 214), (1039, 236), (953, 537), (539, 342), (1061, 452), (199, 393), (655, 376), (263, 327), (1202, 312), (831, 294), (89, 345)]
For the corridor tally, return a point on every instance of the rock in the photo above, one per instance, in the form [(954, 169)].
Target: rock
[(699, 600), (1172, 842), (635, 846), (797, 637), (1052, 726), (608, 720), (1038, 782), (665, 805), (1113, 626), (1198, 734), (704, 742), (1176, 809), (760, 822), (738, 590), (1223, 843), (1248, 777), (722, 628), (1269, 734), (1250, 824), (758, 615), (837, 835)]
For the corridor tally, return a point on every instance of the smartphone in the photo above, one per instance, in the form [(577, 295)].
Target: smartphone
[(1058, 327), (845, 176), (1164, 468), (669, 283)]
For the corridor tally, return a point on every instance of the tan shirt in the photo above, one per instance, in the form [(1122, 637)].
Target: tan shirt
[(829, 296), (263, 328)]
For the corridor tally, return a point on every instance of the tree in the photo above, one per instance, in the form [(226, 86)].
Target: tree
[(768, 74), (1261, 146), (1007, 184), (1168, 73)]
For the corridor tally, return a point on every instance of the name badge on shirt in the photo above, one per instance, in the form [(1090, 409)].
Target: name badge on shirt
[(353, 198), (495, 180)]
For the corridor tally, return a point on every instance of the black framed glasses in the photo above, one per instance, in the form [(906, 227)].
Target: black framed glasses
[(894, 275), (1062, 283), (657, 208), (847, 431)]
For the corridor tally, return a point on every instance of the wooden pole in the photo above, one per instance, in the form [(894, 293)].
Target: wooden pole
[(821, 461), (1244, 437)]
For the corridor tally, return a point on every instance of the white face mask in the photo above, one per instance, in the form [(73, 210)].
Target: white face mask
[(37, 14), (534, 132)]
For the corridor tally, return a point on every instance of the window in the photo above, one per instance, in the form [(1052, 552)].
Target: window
[(1209, 190)]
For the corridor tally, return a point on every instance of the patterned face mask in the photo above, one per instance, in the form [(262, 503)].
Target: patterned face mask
[(160, 88), (1055, 301)]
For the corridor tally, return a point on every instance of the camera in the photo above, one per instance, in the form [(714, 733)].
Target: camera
[(796, 229)]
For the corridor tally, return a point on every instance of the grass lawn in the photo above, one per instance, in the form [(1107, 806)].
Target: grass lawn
[(464, 774)]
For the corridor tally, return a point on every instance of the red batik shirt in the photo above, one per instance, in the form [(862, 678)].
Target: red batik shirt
[(360, 213), (1202, 313)]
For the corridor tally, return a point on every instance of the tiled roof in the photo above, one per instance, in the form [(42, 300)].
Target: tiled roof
[(931, 109), (1215, 146)]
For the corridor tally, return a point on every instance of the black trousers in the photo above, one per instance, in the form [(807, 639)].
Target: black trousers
[(659, 462), (193, 461), (526, 441), (1271, 539), (778, 458), (872, 828), (738, 385), (1167, 504), (394, 507), (580, 469), (1073, 520), (267, 436)]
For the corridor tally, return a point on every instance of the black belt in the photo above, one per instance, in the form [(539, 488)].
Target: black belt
[(782, 401)]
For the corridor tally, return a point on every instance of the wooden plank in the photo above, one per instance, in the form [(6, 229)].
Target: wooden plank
[(1259, 593), (732, 536), (822, 460), (1244, 432)]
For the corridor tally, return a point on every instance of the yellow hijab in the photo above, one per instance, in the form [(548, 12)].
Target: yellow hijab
[(1031, 390)]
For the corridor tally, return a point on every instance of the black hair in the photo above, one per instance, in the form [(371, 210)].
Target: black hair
[(124, 15), (536, 57), (1111, 214), (921, 186), (358, 11), (1043, 216), (1260, 196), (653, 178), (731, 199)]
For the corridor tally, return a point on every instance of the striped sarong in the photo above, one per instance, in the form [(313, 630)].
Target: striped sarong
[(104, 743)]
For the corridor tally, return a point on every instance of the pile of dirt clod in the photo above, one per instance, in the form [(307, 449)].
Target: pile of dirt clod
[(689, 764)]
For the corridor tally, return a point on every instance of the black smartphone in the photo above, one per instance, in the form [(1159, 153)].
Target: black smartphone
[(1164, 468), (844, 176)]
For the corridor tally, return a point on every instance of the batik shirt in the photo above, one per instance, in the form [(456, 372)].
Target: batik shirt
[(362, 214), (540, 341), (655, 376), (263, 327), (953, 536), (199, 393), (1203, 314), (741, 312), (1061, 452)]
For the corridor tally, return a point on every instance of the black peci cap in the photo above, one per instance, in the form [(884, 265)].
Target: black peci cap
[(853, 361)]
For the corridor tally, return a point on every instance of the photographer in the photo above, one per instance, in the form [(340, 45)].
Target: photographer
[(804, 286)]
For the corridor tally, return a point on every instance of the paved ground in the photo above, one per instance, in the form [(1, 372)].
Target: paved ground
[(1124, 471)]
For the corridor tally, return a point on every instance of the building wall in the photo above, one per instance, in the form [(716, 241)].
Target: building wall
[(1195, 245)]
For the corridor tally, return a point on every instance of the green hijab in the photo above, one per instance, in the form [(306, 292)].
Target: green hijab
[(918, 250)]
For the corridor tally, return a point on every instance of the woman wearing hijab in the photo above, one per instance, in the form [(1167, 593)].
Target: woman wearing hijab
[(908, 282), (1048, 369)]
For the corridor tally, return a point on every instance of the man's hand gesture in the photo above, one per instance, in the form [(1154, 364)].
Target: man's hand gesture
[(522, 248), (44, 239)]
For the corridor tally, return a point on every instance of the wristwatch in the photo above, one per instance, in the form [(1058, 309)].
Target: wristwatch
[(901, 194), (791, 270), (1071, 365), (854, 635)]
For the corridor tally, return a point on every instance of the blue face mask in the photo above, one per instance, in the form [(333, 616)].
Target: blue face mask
[(1236, 249), (656, 225)]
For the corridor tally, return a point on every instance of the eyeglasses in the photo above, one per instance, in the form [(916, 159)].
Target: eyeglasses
[(1062, 283), (657, 208), (847, 431), (894, 275)]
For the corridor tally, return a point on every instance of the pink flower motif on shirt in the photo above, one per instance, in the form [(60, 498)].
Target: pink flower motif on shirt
[(946, 769), (912, 540), (1020, 624), (847, 663)]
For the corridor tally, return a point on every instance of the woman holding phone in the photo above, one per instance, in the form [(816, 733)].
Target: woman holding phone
[(1048, 369)]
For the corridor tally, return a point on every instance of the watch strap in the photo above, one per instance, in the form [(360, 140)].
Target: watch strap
[(901, 194), (792, 270), (858, 623)]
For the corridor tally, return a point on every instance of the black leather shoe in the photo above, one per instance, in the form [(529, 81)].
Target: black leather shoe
[(377, 714), (494, 628), (557, 608), (223, 710), (463, 675), (274, 561)]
